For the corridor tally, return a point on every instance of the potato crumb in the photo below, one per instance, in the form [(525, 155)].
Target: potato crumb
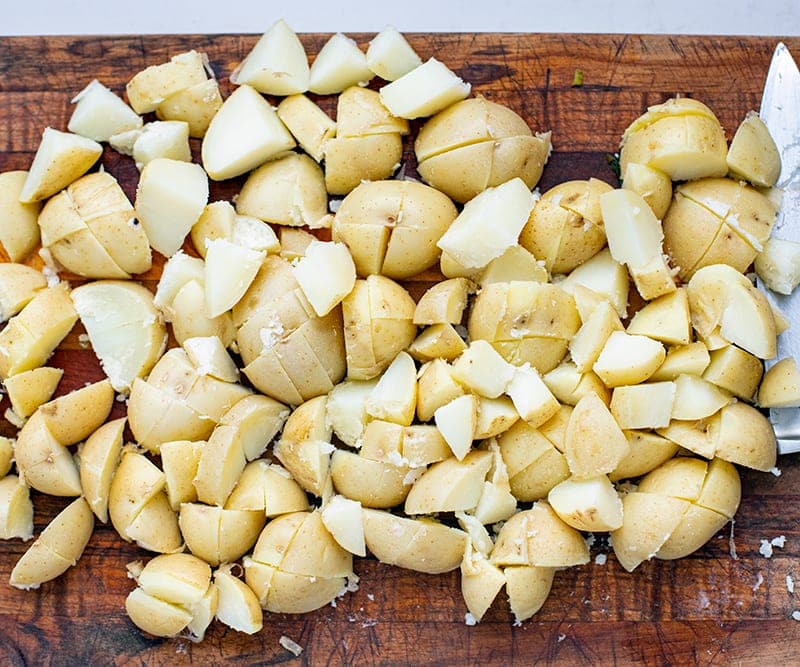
[(759, 581), (561, 637), (600, 559), (84, 342), (14, 419), (775, 471), (731, 543), (790, 583), (796, 615), (469, 619), (290, 645)]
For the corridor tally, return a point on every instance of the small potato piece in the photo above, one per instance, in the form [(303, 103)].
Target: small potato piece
[(666, 319), (438, 341), (289, 189), (308, 123), (753, 154), (351, 160), (218, 535), (31, 336), (59, 546), (451, 485), (342, 518), (421, 545), (594, 443), (229, 271), (590, 504), (635, 238), (170, 197), (60, 159), (346, 410), (531, 397), (30, 389), (74, 416), (244, 133), (780, 387), (267, 487), (436, 387), (482, 370), (6, 455), (537, 536), (648, 521), (238, 606), (180, 459), (162, 139), (647, 452), (778, 265), (375, 484), (691, 359), (721, 296), (99, 113), (588, 342), (378, 324), (195, 106), (338, 65), (276, 65), (19, 232), (390, 56), (516, 263), (527, 588), (126, 331), (443, 302), (392, 227), (91, 229), (480, 582), (504, 209), (495, 416), (736, 371), (18, 285), (45, 463), (178, 578), (155, 616), (423, 91), (681, 137), (627, 359), (99, 458), (565, 227), (648, 405), (600, 277), (16, 509), (457, 421), (394, 397), (746, 437), (654, 186), (326, 274), (696, 398), (136, 481), (156, 83)]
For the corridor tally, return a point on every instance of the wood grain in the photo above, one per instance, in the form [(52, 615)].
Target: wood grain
[(707, 609)]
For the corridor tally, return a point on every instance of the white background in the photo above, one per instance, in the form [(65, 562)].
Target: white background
[(753, 17)]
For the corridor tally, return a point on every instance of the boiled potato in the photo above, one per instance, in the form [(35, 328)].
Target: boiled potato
[(16, 509), (390, 56), (682, 137), (780, 387), (19, 231), (589, 504), (351, 160), (244, 133), (219, 535), (276, 65), (753, 154), (392, 227), (778, 265), (475, 144), (99, 457), (61, 158), (195, 106), (46, 464), (449, 486), (308, 123), (99, 113), (57, 548), (30, 389), (338, 65), (238, 606), (457, 421), (716, 220), (287, 190), (594, 443), (91, 229), (126, 331), (565, 227), (424, 90), (153, 85), (654, 186)]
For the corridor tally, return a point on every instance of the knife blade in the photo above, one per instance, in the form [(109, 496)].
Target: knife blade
[(780, 111)]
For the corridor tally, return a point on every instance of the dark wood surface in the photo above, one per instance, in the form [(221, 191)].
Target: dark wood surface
[(709, 608)]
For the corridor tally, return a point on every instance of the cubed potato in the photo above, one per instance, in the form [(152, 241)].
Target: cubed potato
[(326, 274), (338, 65), (734, 370), (423, 91), (394, 397), (504, 208), (170, 197), (594, 443), (244, 133), (19, 231), (308, 123), (126, 331), (390, 56), (438, 341), (30, 389), (649, 405), (691, 359), (457, 421), (150, 87), (753, 154), (666, 318), (277, 64), (590, 504), (451, 485), (780, 387), (288, 190), (195, 106), (61, 158), (436, 387), (628, 359), (57, 548), (99, 113), (654, 186), (482, 370), (229, 270)]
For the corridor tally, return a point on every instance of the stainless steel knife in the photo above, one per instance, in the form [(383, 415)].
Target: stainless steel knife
[(780, 111)]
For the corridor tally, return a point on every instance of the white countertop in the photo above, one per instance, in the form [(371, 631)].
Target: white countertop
[(726, 17)]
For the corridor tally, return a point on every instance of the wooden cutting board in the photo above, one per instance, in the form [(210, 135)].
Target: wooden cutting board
[(711, 608)]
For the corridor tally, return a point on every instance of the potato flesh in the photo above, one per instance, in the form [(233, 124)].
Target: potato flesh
[(19, 231)]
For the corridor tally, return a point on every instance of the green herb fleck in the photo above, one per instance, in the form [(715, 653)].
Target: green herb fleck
[(613, 162), (577, 78)]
